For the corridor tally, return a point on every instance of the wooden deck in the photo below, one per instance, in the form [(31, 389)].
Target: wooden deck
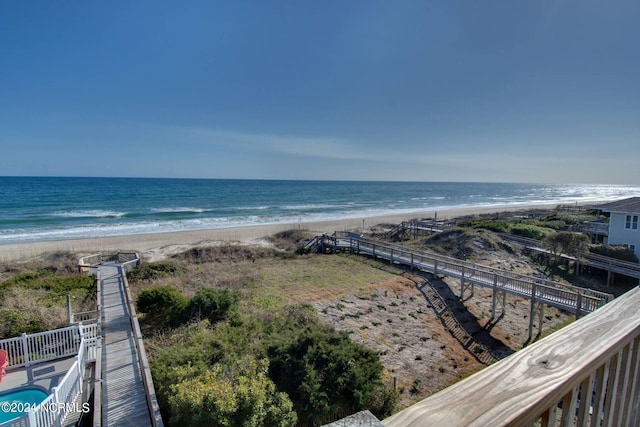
[(124, 401)]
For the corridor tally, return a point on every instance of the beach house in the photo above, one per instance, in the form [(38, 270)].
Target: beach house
[(624, 223)]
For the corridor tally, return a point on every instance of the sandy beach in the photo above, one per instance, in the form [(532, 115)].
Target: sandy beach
[(154, 246)]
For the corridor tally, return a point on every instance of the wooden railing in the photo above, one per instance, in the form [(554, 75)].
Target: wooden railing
[(626, 268), (90, 263), (145, 368), (586, 374), (541, 290)]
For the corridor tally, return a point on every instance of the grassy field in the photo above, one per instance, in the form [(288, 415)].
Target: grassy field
[(314, 277)]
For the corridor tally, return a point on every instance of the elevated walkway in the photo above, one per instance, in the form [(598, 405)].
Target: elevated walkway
[(124, 401), (127, 395), (538, 291)]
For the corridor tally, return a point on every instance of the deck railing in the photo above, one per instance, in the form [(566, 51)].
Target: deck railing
[(576, 299), (586, 374), (29, 349), (78, 340), (145, 367), (90, 263)]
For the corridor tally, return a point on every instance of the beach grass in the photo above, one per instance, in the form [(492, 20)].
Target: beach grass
[(311, 278)]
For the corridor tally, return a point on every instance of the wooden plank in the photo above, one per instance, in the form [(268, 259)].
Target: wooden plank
[(522, 387), (123, 395)]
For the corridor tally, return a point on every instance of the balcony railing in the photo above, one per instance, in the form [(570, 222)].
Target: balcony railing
[(586, 374), (78, 341)]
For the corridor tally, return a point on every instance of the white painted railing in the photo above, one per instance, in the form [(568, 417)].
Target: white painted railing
[(85, 317), (29, 349), (36, 348)]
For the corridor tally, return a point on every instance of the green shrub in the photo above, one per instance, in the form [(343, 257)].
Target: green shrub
[(57, 286), (325, 372), (571, 217), (236, 395), (212, 304), (163, 305), (620, 252), (531, 231), (15, 322), (554, 224), (154, 271), (564, 242)]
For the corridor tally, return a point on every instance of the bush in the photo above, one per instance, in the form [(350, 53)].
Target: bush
[(554, 224), (620, 252), (487, 224), (212, 304), (152, 272), (239, 395), (531, 231), (326, 373), (563, 242), (57, 286), (163, 305), (15, 322)]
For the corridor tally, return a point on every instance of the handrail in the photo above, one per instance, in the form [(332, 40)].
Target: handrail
[(562, 378), (152, 401), (78, 340), (89, 264), (544, 290), (40, 347), (624, 267)]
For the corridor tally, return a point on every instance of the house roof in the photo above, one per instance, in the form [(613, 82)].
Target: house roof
[(630, 205)]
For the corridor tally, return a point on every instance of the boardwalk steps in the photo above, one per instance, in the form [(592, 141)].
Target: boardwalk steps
[(450, 322)]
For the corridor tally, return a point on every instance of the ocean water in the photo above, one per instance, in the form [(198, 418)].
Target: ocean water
[(41, 208)]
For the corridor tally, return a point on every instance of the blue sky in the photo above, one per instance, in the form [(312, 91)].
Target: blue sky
[(494, 91)]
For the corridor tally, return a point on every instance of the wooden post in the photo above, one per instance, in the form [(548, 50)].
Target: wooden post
[(494, 296), (541, 316), (462, 284), (579, 306), (533, 310), (69, 312)]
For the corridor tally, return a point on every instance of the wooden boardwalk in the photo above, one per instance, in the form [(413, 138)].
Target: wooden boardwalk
[(124, 401), (538, 291)]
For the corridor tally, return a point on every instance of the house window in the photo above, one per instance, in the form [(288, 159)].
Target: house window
[(632, 248), (631, 223)]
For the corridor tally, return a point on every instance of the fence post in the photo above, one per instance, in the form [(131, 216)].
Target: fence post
[(579, 306), (25, 349), (69, 311), (533, 308), (56, 401)]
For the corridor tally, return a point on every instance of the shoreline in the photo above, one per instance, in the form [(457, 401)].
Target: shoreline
[(154, 245)]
